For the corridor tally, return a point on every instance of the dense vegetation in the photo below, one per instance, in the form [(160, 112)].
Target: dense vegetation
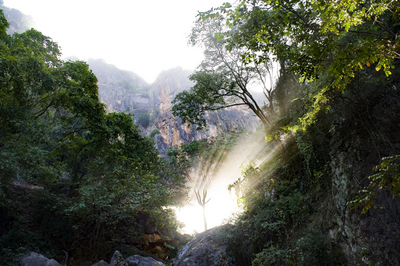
[(336, 96), (73, 178)]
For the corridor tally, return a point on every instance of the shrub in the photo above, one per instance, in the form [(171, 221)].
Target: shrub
[(154, 132)]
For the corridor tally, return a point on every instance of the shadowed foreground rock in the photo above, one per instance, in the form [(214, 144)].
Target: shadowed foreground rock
[(143, 261), (35, 259), (205, 249)]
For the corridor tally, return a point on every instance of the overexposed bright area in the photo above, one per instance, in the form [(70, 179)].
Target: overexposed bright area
[(143, 36), (219, 209), (223, 204)]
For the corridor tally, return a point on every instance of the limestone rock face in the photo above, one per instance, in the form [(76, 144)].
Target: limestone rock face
[(120, 90), (35, 259), (205, 249), (172, 131), (168, 84), (358, 144)]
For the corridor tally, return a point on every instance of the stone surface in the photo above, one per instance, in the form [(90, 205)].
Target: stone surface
[(101, 263), (35, 259), (205, 249), (362, 136), (118, 260), (143, 261)]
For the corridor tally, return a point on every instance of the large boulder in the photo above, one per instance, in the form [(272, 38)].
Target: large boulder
[(136, 260), (35, 259), (118, 260), (143, 261), (206, 249), (101, 263)]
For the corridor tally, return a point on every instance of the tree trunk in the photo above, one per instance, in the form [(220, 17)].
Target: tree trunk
[(204, 217)]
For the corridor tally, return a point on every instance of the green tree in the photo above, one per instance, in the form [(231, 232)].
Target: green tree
[(224, 79), (144, 119), (78, 166), (317, 37), (329, 40)]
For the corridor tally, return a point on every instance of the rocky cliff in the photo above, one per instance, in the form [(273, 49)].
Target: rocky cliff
[(120, 90), (124, 91), (366, 131), (172, 131)]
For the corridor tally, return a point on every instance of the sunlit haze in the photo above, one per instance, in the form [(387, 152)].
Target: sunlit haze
[(142, 36), (223, 204)]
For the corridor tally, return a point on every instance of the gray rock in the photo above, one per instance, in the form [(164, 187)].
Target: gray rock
[(205, 249), (137, 260), (101, 263), (35, 259), (118, 260)]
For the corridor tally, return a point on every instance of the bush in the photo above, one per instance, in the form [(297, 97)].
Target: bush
[(144, 119), (154, 132), (313, 248)]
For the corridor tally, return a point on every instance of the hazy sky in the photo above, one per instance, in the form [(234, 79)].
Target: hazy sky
[(144, 36)]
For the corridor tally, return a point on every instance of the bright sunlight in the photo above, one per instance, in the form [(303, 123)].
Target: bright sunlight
[(223, 204)]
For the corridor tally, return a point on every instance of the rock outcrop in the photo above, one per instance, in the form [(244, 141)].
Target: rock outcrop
[(172, 131), (135, 260), (35, 259), (120, 90), (143, 261), (363, 135), (205, 249)]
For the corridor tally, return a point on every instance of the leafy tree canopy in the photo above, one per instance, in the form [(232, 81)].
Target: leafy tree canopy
[(315, 36), (313, 39), (93, 168), (224, 79)]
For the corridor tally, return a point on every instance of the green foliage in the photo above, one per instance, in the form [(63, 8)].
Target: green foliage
[(313, 39), (280, 199), (3, 25), (332, 56), (144, 119), (223, 79), (154, 132), (72, 177), (273, 256), (387, 176), (184, 157), (189, 108), (312, 248), (212, 91), (307, 30)]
